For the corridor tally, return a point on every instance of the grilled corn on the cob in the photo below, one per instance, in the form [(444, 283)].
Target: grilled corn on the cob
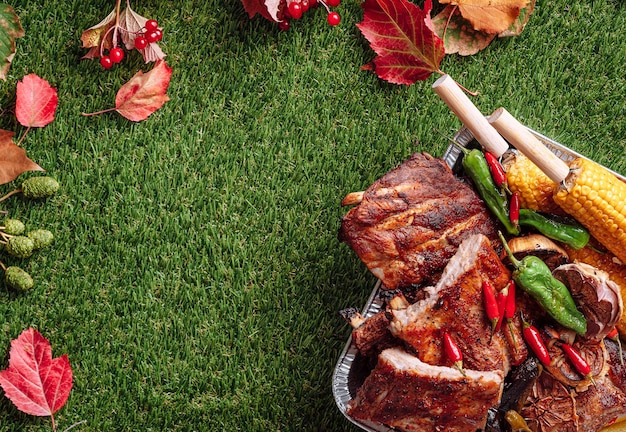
[(597, 199), (535, 189)]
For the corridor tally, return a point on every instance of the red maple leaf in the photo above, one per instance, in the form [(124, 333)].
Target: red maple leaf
[(402, 35), (35, 382), (36, 101), (143, 94)]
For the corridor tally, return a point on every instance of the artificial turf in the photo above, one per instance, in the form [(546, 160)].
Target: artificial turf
[(196, 275)]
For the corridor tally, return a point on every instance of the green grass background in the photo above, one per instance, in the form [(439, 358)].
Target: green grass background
[(196, 274)]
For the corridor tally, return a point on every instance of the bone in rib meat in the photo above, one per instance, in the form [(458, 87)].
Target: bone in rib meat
[(411, 221), (410, 395), (455, 305)]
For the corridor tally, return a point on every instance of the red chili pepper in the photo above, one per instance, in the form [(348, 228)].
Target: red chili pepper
[(453, 352), (491, 305), (614, 336), (514, 206), (533, 338), (580, 364), (502, 296), (497, 172), (509, 310)]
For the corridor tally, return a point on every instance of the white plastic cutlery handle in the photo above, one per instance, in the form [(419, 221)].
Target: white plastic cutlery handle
[(520, 137), (458, 102)]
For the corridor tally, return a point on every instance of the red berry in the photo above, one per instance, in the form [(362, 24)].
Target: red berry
[(106, 62), (159, 35), (305, 5), (152, 36), (116, 54), (151, 25), (333, 19), (140, 42), (295, 10), (284, 25), (313, 3), (333, 3)]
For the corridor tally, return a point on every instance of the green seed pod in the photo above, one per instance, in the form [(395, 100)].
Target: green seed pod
[(41, 238), (18, 279), (39, 187), (20, 246), (14, 227)]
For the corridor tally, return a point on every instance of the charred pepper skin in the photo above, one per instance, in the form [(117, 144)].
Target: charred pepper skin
[(533, 276), (573, 235), (476, 167)]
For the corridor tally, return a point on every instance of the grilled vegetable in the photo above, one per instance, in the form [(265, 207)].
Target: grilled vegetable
[(497, 172), (534, 340), (571, 234), (453, 352), (476, 167), (533, 186), (608, 263), (514, 209), (534, 276), (579, 363), (597, 199), (491, 305)]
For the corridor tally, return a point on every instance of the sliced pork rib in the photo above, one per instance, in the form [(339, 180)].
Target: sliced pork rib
[(409, 395), (411, 221), (455, 305)]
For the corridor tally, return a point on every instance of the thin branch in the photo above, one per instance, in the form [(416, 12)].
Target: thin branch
[(13, 192)]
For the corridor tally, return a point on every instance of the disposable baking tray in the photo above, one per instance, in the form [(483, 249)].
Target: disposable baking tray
[(351, 369)]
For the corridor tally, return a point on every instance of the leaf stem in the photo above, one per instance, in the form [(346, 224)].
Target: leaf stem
[(13, 192), (22, 137), (98, 112)]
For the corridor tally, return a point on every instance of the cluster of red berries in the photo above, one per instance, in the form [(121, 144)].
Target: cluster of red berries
[(151, 33), (296, 8)]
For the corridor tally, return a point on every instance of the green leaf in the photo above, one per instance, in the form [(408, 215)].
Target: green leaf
[(10, 29)]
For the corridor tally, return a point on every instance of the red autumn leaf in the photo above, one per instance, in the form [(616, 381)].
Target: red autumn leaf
[(13, 159), (402, 35), (35, 382), (266, 8), (36, 101), (144, 93)]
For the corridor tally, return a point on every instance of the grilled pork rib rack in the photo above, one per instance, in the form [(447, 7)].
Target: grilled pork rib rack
[(411, 221)]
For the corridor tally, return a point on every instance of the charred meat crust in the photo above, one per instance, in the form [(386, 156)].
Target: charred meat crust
[(411, 221)]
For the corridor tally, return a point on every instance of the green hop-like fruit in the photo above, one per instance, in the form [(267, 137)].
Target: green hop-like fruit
[(18, 279), (14, 227), (41, 238), (39, 187), (20, 246)]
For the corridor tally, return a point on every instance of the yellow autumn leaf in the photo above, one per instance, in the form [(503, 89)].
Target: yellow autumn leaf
[(489, 16), (93, 35)]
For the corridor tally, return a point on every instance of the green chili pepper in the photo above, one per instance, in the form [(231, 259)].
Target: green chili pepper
[(476, 167), (573, 235), (535, 277)]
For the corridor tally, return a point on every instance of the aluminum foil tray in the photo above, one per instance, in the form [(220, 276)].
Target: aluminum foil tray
[(351, 369)]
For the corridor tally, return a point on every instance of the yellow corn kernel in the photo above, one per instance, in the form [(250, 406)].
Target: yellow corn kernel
[(608, 263), (588, 183), (535, 189)]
